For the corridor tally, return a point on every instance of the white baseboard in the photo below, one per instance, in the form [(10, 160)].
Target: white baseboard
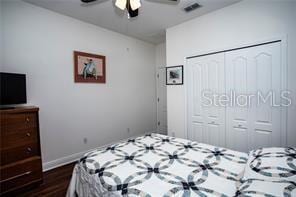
[(74, 157), (62, 161)]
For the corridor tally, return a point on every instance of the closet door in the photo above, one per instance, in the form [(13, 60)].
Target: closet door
[(205, 123), (237, 75), (253, 71)]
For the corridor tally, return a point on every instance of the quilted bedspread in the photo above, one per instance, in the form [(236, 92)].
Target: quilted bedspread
[(158, 165)]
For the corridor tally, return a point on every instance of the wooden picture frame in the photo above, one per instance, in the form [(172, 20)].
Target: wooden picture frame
[(89, 68), (174, 75)]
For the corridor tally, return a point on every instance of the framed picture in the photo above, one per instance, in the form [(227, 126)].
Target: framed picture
[(89, 68), (174, 75)]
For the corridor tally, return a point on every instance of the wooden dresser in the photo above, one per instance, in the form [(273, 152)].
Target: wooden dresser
[(20, 149)]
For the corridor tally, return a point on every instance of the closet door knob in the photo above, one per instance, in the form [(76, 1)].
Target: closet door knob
[(27, 119), (28, 134)]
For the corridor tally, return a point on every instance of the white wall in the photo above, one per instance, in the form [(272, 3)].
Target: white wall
[(1, 38), (160, 55), (40, 43), (241, 23)]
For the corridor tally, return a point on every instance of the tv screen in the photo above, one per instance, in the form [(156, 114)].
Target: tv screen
[(13, 88)]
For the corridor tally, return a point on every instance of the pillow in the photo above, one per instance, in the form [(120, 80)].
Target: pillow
[(262, 188), (273, 164)]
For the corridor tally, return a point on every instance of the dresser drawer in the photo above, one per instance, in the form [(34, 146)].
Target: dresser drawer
[(20, 137), (10, 155), (17, 122), (21, 173)]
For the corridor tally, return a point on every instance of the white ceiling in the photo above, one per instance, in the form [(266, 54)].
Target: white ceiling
[(149, 26)]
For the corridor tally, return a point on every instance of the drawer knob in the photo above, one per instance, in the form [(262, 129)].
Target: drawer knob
[(29, 150), (28, 134), (28, 119)]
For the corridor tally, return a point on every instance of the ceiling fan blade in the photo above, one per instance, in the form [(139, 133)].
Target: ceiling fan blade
[(135, 4), (121, 4)]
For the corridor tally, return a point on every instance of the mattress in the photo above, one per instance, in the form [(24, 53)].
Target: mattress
[(158, 165)]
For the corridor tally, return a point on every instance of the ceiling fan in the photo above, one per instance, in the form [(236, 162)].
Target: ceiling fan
[(131, 6)]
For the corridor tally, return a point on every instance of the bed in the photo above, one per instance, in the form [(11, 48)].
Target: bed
[(159, 165)]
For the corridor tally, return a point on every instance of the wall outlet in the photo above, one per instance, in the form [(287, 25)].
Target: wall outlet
[(173, 134), (128, 130), (85, 140)]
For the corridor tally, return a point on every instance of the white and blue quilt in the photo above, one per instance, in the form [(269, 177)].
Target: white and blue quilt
[(158, 165)]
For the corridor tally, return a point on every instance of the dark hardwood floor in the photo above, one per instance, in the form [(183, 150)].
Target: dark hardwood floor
[(55, 183)]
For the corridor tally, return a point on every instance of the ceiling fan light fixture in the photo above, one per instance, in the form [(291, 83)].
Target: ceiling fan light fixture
[(121, 4), (135, 4)]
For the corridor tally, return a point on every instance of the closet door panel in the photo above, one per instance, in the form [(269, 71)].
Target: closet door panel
[(196, 117), (265, 63), (254, 71), (215, 114), (237, 113), (198, 132), (206, 123)]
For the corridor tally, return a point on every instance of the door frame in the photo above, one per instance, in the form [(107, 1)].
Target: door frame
[(284, 83)]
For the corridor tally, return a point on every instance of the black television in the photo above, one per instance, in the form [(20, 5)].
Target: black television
[(13, 89)]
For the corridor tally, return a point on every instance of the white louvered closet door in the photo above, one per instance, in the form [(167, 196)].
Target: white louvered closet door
[(205, 124), (248, 71)]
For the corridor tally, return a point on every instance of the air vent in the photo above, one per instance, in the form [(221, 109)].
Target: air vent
[(192, 7)]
